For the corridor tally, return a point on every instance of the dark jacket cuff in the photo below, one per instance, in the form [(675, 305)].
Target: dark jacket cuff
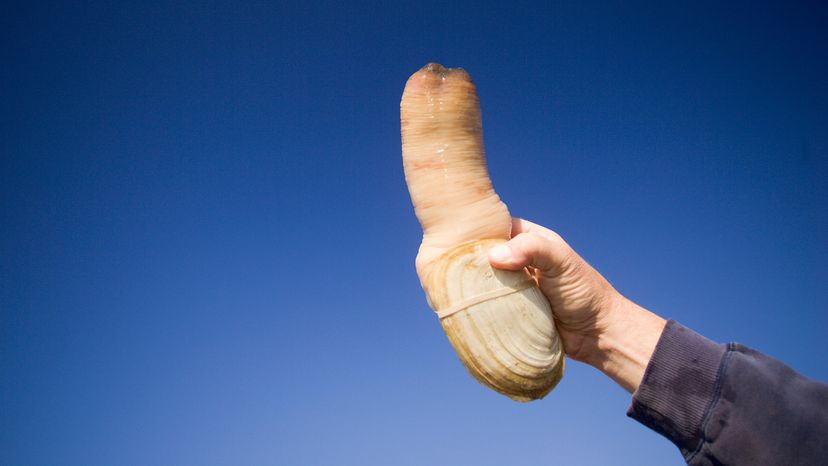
[(680, 384)]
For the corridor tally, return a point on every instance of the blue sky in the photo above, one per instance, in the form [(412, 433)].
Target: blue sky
[(207, 246)]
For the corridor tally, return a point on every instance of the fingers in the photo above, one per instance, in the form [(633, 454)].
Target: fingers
[(544, 250), (520, 225)]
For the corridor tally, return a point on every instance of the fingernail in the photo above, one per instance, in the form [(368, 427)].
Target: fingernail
[(501, 253)]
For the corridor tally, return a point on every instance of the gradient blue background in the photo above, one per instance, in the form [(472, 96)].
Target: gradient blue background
[(207, 243)]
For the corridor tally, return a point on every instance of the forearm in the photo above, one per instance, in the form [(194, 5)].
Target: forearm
[(720, 404), (728, 404)]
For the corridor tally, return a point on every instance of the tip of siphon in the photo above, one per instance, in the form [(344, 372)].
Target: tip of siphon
[(434, 77), (441, 71), (435, 68)]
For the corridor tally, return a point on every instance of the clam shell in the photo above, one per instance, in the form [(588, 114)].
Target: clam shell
[(508, 343)]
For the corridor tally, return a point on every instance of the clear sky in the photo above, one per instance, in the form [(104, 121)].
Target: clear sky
[(207, 246)]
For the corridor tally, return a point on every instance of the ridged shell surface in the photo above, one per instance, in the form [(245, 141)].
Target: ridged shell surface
[(508, 343)]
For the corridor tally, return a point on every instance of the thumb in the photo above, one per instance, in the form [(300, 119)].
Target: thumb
[(548, 253)]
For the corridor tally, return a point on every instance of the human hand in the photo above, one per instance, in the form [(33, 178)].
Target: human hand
[(597, 324)]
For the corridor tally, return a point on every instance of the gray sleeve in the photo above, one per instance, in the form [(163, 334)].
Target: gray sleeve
[(729, 404)]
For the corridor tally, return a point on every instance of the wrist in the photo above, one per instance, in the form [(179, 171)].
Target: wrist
[(624, 341)]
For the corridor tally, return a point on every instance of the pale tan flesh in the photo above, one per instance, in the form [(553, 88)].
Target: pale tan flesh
[(445, 167)]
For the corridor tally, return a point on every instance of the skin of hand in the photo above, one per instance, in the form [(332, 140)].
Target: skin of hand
[(598, 325)]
